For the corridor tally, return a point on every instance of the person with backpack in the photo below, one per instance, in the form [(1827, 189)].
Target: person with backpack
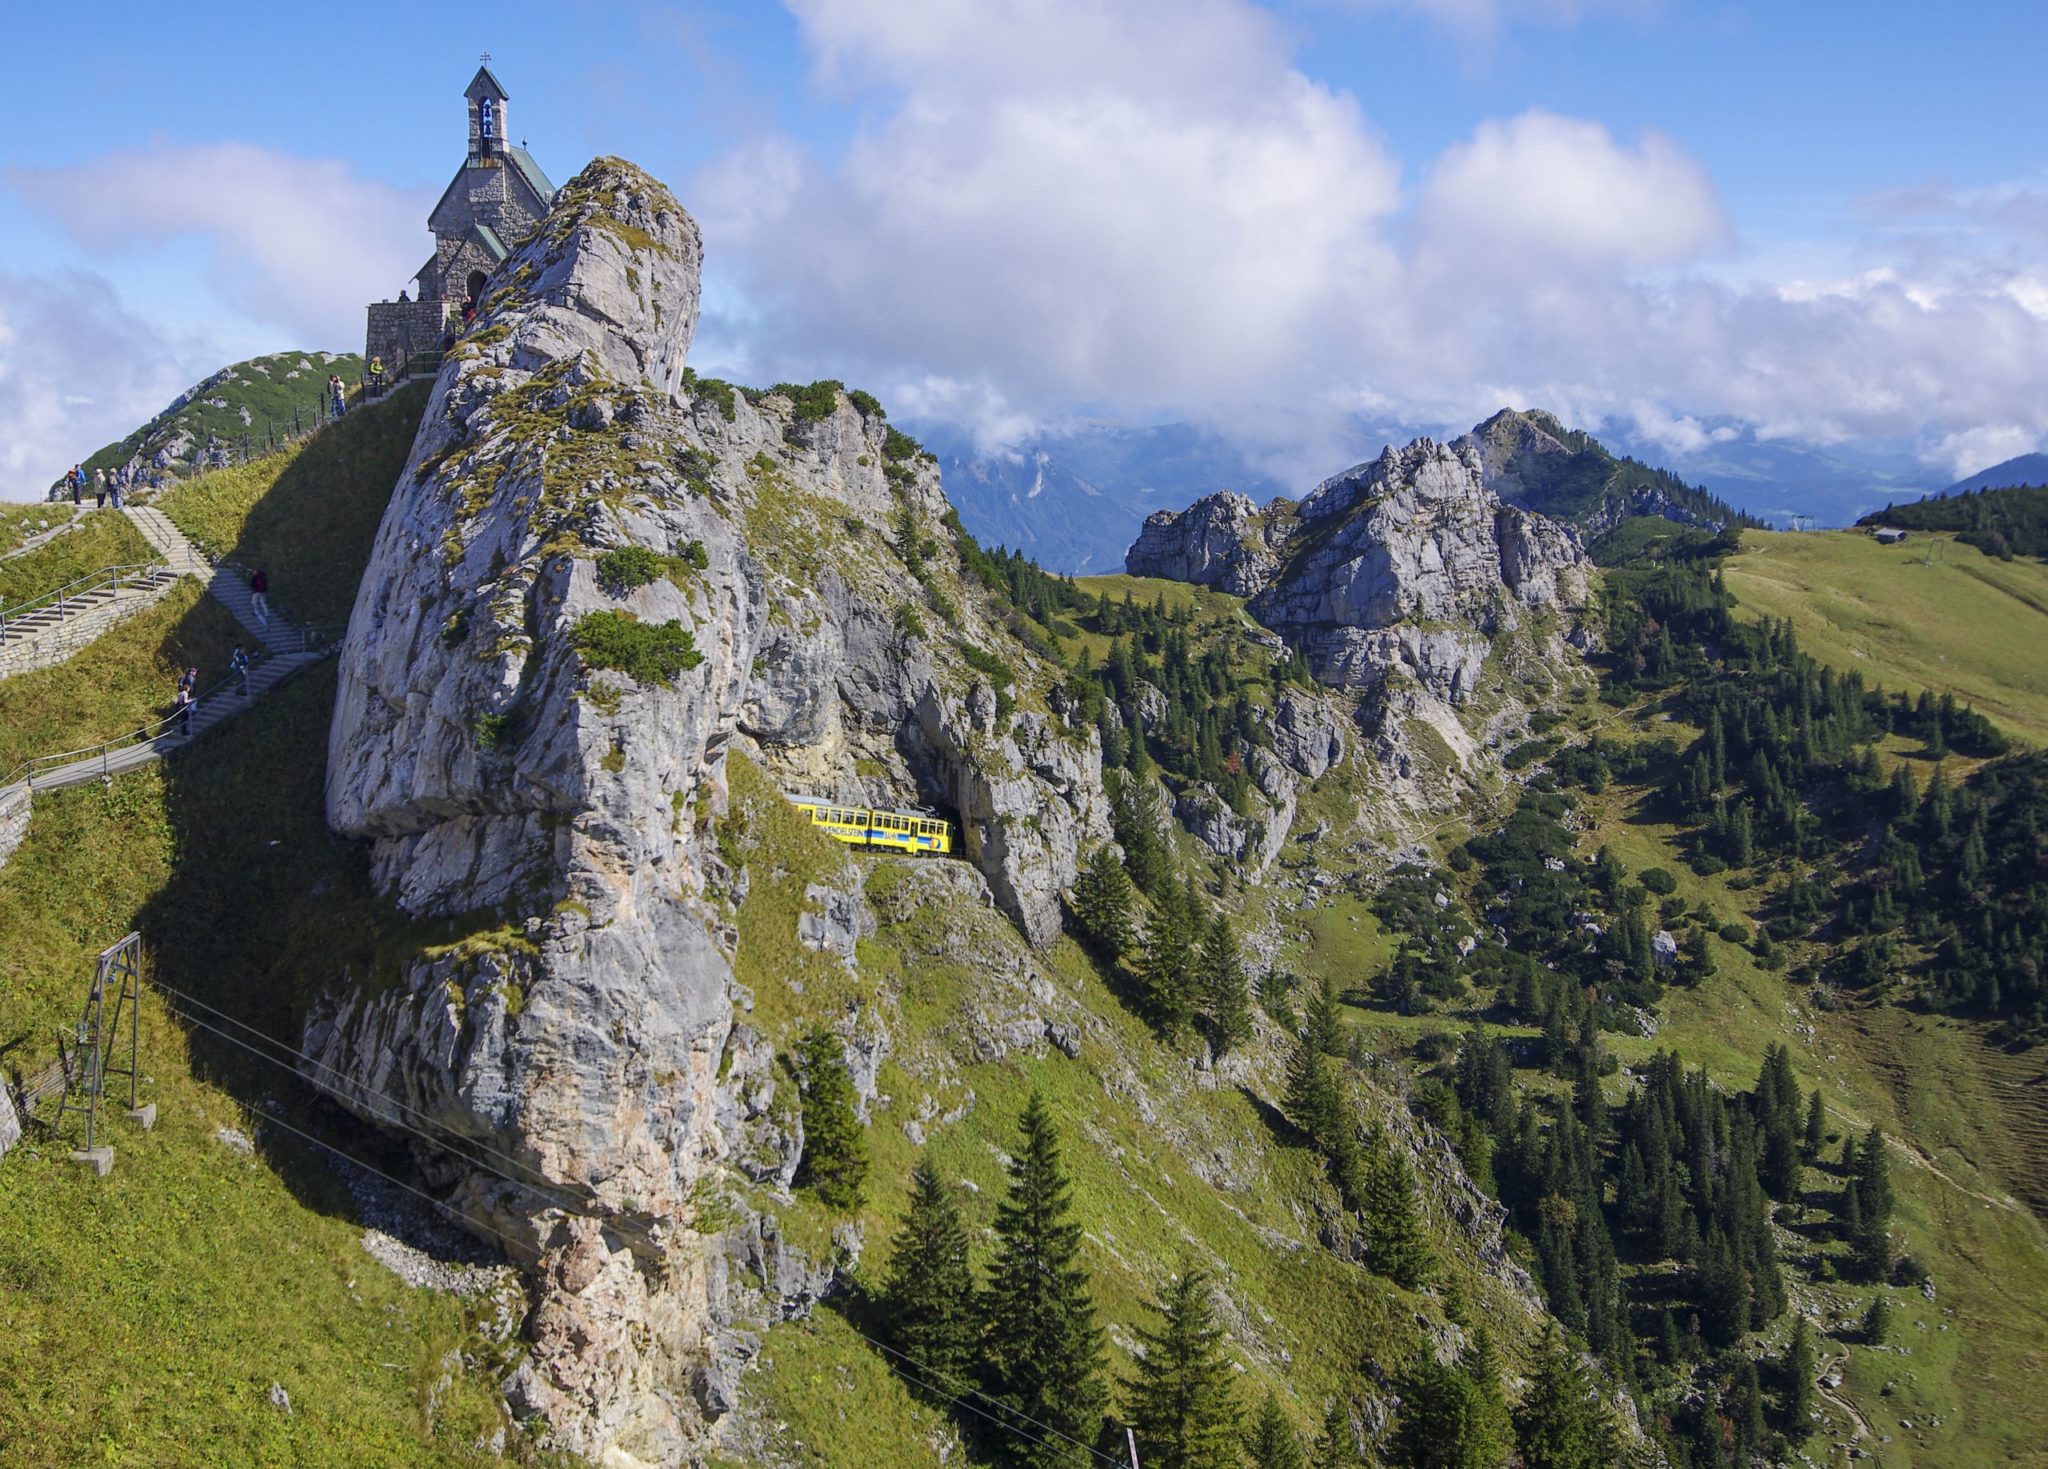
[(188, 700), (99, 488), (238, 662), (259, 596), (76, 479)]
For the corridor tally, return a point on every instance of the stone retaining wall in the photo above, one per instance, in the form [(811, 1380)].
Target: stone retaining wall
[(14, 802), (56, 643)]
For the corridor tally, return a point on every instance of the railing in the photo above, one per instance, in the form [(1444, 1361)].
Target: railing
[(142, 574), (229, 687)]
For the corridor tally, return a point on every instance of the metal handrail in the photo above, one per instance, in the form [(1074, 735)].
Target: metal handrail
[(26, 771), (92, 581)]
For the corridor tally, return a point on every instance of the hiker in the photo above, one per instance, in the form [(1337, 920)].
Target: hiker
[(338, 393), (99, 486), (238, 662), (114, 488), (377, 375), (186, 704), (76, 479), (259, 596)]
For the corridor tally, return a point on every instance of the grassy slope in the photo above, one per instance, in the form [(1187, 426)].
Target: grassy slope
[(262, 385), (119, 682), (1966, 624), (1934, 1085), (1140, 1137), (106, 539), (286, 512), (19, 522), (147, 1314)]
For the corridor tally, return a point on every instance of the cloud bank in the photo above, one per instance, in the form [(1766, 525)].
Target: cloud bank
[(1148, 208), (293, 248)]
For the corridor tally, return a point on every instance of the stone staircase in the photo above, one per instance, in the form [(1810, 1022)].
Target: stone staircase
[(216, 706), (55, 626), (282, 649)]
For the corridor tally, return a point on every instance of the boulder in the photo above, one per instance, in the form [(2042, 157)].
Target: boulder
[(1219, 541)]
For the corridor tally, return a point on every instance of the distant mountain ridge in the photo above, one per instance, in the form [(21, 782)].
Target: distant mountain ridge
[(2022, 469), (1074, 500), (1531, 460)]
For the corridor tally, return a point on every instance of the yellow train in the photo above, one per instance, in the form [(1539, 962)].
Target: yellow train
[(858, 826)]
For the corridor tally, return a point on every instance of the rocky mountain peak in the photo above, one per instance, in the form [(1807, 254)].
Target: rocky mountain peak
[(612, 274), (1400, 578), (597, 579)]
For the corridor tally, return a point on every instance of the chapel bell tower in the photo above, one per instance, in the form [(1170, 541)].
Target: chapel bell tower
[(486, 99)]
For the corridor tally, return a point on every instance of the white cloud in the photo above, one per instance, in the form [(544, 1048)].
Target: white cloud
[(1539, 193), (1059, 207), (1678, 433), (63, 331), (298, 245), (1110, 203), (1962, 454)]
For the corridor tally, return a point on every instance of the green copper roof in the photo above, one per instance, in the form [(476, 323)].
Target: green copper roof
[(491, 242), (530, 171)]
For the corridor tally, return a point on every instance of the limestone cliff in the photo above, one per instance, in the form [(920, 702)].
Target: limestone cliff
[(596, 577), (1401, 578)]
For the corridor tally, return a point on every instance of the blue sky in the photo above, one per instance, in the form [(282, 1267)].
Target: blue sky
[(1827, 220)]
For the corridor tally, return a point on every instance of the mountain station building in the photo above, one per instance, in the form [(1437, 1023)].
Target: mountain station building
[(497, 196)]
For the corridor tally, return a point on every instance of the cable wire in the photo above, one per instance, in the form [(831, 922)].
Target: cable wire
[(313, 1061), (426, 1137), (620, 1226)]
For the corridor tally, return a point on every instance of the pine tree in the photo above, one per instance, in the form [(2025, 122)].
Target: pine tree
[(1225, 993), (1325, 1027), (1482, 1365), (1745, 1404), (1797, 1374), (1337, 1445), (1102, 905), (1136, 819), (1182, 1405), (1870, 1241), (1043, 1349), (1877, 1321), (929, 1293), (1560, 1425), (835, 1160), (1446, 1422), (1816, 1126), (1313, 1101), (1166, 968), (1454, 1417), (1272, 1443), (1399, 1243)]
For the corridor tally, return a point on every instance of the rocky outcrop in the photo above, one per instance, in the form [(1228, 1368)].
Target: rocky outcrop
[(1219, 541), (1306, 734), (595, 579), (1408, 562)]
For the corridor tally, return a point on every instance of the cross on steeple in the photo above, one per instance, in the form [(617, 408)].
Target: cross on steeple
[(485, 58)]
